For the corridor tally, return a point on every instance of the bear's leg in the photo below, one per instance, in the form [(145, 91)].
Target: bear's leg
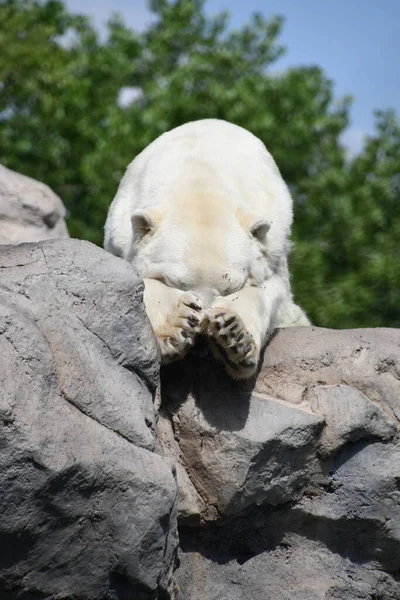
[(293, 316), (240, 324), (176, 317)]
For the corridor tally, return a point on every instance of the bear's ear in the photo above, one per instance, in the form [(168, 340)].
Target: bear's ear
[(259, 229), (253, 225), (144, 222)]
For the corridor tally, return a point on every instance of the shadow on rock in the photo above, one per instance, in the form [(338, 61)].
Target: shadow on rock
[(256, 530), (200, 376)]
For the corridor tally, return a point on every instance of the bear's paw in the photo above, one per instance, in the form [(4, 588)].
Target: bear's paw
[(232, 343)]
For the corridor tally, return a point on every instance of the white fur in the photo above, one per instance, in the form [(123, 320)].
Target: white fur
[(205, 216)]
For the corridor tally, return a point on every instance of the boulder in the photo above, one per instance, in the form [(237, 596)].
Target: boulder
[(289, 487), (87, 508), (238, 447), (285, 487), (29, 210)]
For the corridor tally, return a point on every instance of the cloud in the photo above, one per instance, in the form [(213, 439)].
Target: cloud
[(353, 140)]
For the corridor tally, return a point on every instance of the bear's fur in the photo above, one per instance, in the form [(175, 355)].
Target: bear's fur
[(205, 216)]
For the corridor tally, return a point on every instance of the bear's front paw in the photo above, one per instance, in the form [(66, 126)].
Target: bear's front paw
[(232, 343), (178, 334)]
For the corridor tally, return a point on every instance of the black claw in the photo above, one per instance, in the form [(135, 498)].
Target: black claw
[(233, 327), (219, 315), (239, 337), (230, 320), (194, 306), (247, 363), (185, 334), (247, 349), (173, 341)]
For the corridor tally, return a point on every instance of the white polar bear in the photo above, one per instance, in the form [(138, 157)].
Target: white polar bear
[(204, 215)]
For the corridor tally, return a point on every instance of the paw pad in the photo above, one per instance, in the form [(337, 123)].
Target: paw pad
[(232, 343)]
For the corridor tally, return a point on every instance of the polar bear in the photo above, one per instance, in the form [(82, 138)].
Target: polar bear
[(205, 216)]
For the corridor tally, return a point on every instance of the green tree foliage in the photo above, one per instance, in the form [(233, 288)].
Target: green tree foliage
[(347, 228), (62, 122)]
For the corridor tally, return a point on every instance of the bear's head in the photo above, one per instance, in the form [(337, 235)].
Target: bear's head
[(198, 246)]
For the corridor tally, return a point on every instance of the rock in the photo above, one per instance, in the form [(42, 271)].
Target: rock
[(29, 210), (238, 447), (87, 508), (350, 416), (360, 513), (190, 502), (366, 359), (298, 471), (284, 488), (295, 568)]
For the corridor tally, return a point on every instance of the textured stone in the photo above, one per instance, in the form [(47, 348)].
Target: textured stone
[(297, 568), (91, 312), (361, 510), (366, 359), (350, 416), (298, 471), (240, 448), (29, 210), (288, 485), (87, 509), (343, 543), (191, 505)]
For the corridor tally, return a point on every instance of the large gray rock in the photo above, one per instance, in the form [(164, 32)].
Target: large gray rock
[(289, 485), (366, 359), (87, 509), (285, 488), (342, 544), (238, 447), (349, 416), (291, 568), (29, 210)]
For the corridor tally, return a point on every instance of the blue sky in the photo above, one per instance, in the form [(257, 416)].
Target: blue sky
[(356, 42)]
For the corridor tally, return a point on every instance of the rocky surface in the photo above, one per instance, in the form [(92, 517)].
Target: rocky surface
[(282, 488), (29, 210), (290, 484), (87, 509)]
